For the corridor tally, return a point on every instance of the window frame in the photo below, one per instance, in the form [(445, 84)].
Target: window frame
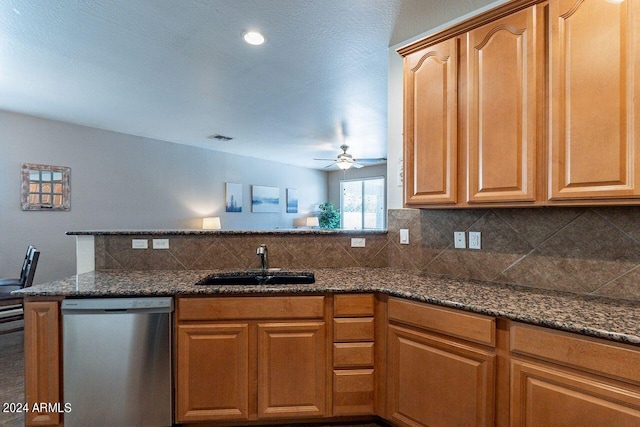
[(362, 181)]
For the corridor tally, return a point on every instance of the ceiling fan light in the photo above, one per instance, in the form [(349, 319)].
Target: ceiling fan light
[(344, 165), (253, 38)]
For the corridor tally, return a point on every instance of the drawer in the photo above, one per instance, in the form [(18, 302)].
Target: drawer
[(457, 323), (353, 305), (353, 392), (347, 329), (609, 359), (353, 355), (223, 308)]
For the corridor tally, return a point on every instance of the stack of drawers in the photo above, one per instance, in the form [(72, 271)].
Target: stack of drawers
[(353, 354)]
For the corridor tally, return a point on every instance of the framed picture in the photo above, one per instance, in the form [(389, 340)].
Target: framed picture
[(292, 200), (233, 197), (45, 187), (265, 199)]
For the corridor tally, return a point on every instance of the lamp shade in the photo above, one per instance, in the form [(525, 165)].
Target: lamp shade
[(211, 223), (313, 221)]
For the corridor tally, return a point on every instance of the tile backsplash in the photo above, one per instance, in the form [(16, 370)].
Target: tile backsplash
[(583, 250), (238, 251)]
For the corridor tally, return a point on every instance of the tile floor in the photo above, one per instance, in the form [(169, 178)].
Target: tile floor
[(11, 376)]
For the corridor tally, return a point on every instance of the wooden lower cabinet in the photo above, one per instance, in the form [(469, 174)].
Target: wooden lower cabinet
[(353, 391), (543, 396), (213, 372), (291, 370), (432, 381), (562, 379), (235, 365), (43, 361)]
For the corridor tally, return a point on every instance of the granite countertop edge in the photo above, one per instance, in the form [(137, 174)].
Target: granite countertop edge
[(611, 319), (198, 232)]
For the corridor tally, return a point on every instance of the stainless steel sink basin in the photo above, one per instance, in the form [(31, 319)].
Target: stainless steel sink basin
[(270, 277)]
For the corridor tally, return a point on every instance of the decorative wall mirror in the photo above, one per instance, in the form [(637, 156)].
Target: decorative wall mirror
[(45, 187)]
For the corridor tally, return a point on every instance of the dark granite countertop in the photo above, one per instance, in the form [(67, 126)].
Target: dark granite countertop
[(616, 320), (199, 232)]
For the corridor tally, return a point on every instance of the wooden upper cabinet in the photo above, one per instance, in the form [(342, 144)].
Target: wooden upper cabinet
[(431, 120), (505, 72), (595, 100)]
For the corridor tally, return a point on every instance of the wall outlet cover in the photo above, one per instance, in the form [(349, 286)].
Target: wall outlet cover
[(459, 240), (160, 243), (475, 240), (404, 236), (358, 242), (139, 244)]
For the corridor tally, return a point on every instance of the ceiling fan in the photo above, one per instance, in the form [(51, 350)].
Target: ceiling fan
[(345, 160)]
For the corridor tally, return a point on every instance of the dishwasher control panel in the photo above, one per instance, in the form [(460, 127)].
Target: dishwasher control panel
[(163, 304)]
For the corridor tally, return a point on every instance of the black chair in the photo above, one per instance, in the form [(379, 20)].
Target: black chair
[(11, 305)]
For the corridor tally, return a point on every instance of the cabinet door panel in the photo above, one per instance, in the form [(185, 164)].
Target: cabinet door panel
[(435, 382), (505, 60), (42, 359), (595, 79), (431, 102), (547, 397), (213, 370), (291, 369)]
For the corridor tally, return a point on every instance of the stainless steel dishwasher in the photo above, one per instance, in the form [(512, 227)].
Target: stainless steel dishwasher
[(117, 361)]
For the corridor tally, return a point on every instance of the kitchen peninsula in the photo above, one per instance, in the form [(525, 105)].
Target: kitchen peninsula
[(363, 341)]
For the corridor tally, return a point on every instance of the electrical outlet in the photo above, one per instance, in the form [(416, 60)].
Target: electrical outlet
[(160, 243), (475, 240), (404, 236), (139, 244), (459, 240), (358, 242)]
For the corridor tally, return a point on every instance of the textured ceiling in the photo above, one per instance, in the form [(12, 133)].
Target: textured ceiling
[(178, 70)]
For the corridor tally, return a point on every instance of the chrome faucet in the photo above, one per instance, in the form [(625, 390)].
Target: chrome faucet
[(264, 261)]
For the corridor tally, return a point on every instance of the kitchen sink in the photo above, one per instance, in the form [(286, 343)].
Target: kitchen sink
[(258, 277)]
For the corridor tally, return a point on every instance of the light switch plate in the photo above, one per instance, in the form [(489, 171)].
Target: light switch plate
[(475, 240), (358, 242), (404, 236), (139, 244), (459, 240), (160, 243)]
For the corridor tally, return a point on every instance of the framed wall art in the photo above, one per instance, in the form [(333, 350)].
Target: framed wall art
[(233, 200), (265, 199), (45, 187), (292, 200)]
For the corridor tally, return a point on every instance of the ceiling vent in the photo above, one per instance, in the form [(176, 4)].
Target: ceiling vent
[(220, 137)]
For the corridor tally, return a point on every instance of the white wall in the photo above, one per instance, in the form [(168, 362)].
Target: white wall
[(395, 110), (121, 181)]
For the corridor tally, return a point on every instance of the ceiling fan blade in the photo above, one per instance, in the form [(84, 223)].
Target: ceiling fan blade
[(357, 165), (328, 166), (328, 160), (372, 160)]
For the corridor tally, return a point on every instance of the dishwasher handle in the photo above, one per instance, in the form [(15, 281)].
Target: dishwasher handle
[(116, 305)]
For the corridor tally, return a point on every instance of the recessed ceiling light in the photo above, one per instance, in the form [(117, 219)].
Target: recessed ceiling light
[(253, 38)]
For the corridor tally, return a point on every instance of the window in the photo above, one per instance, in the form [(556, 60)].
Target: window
[(362, 203)]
